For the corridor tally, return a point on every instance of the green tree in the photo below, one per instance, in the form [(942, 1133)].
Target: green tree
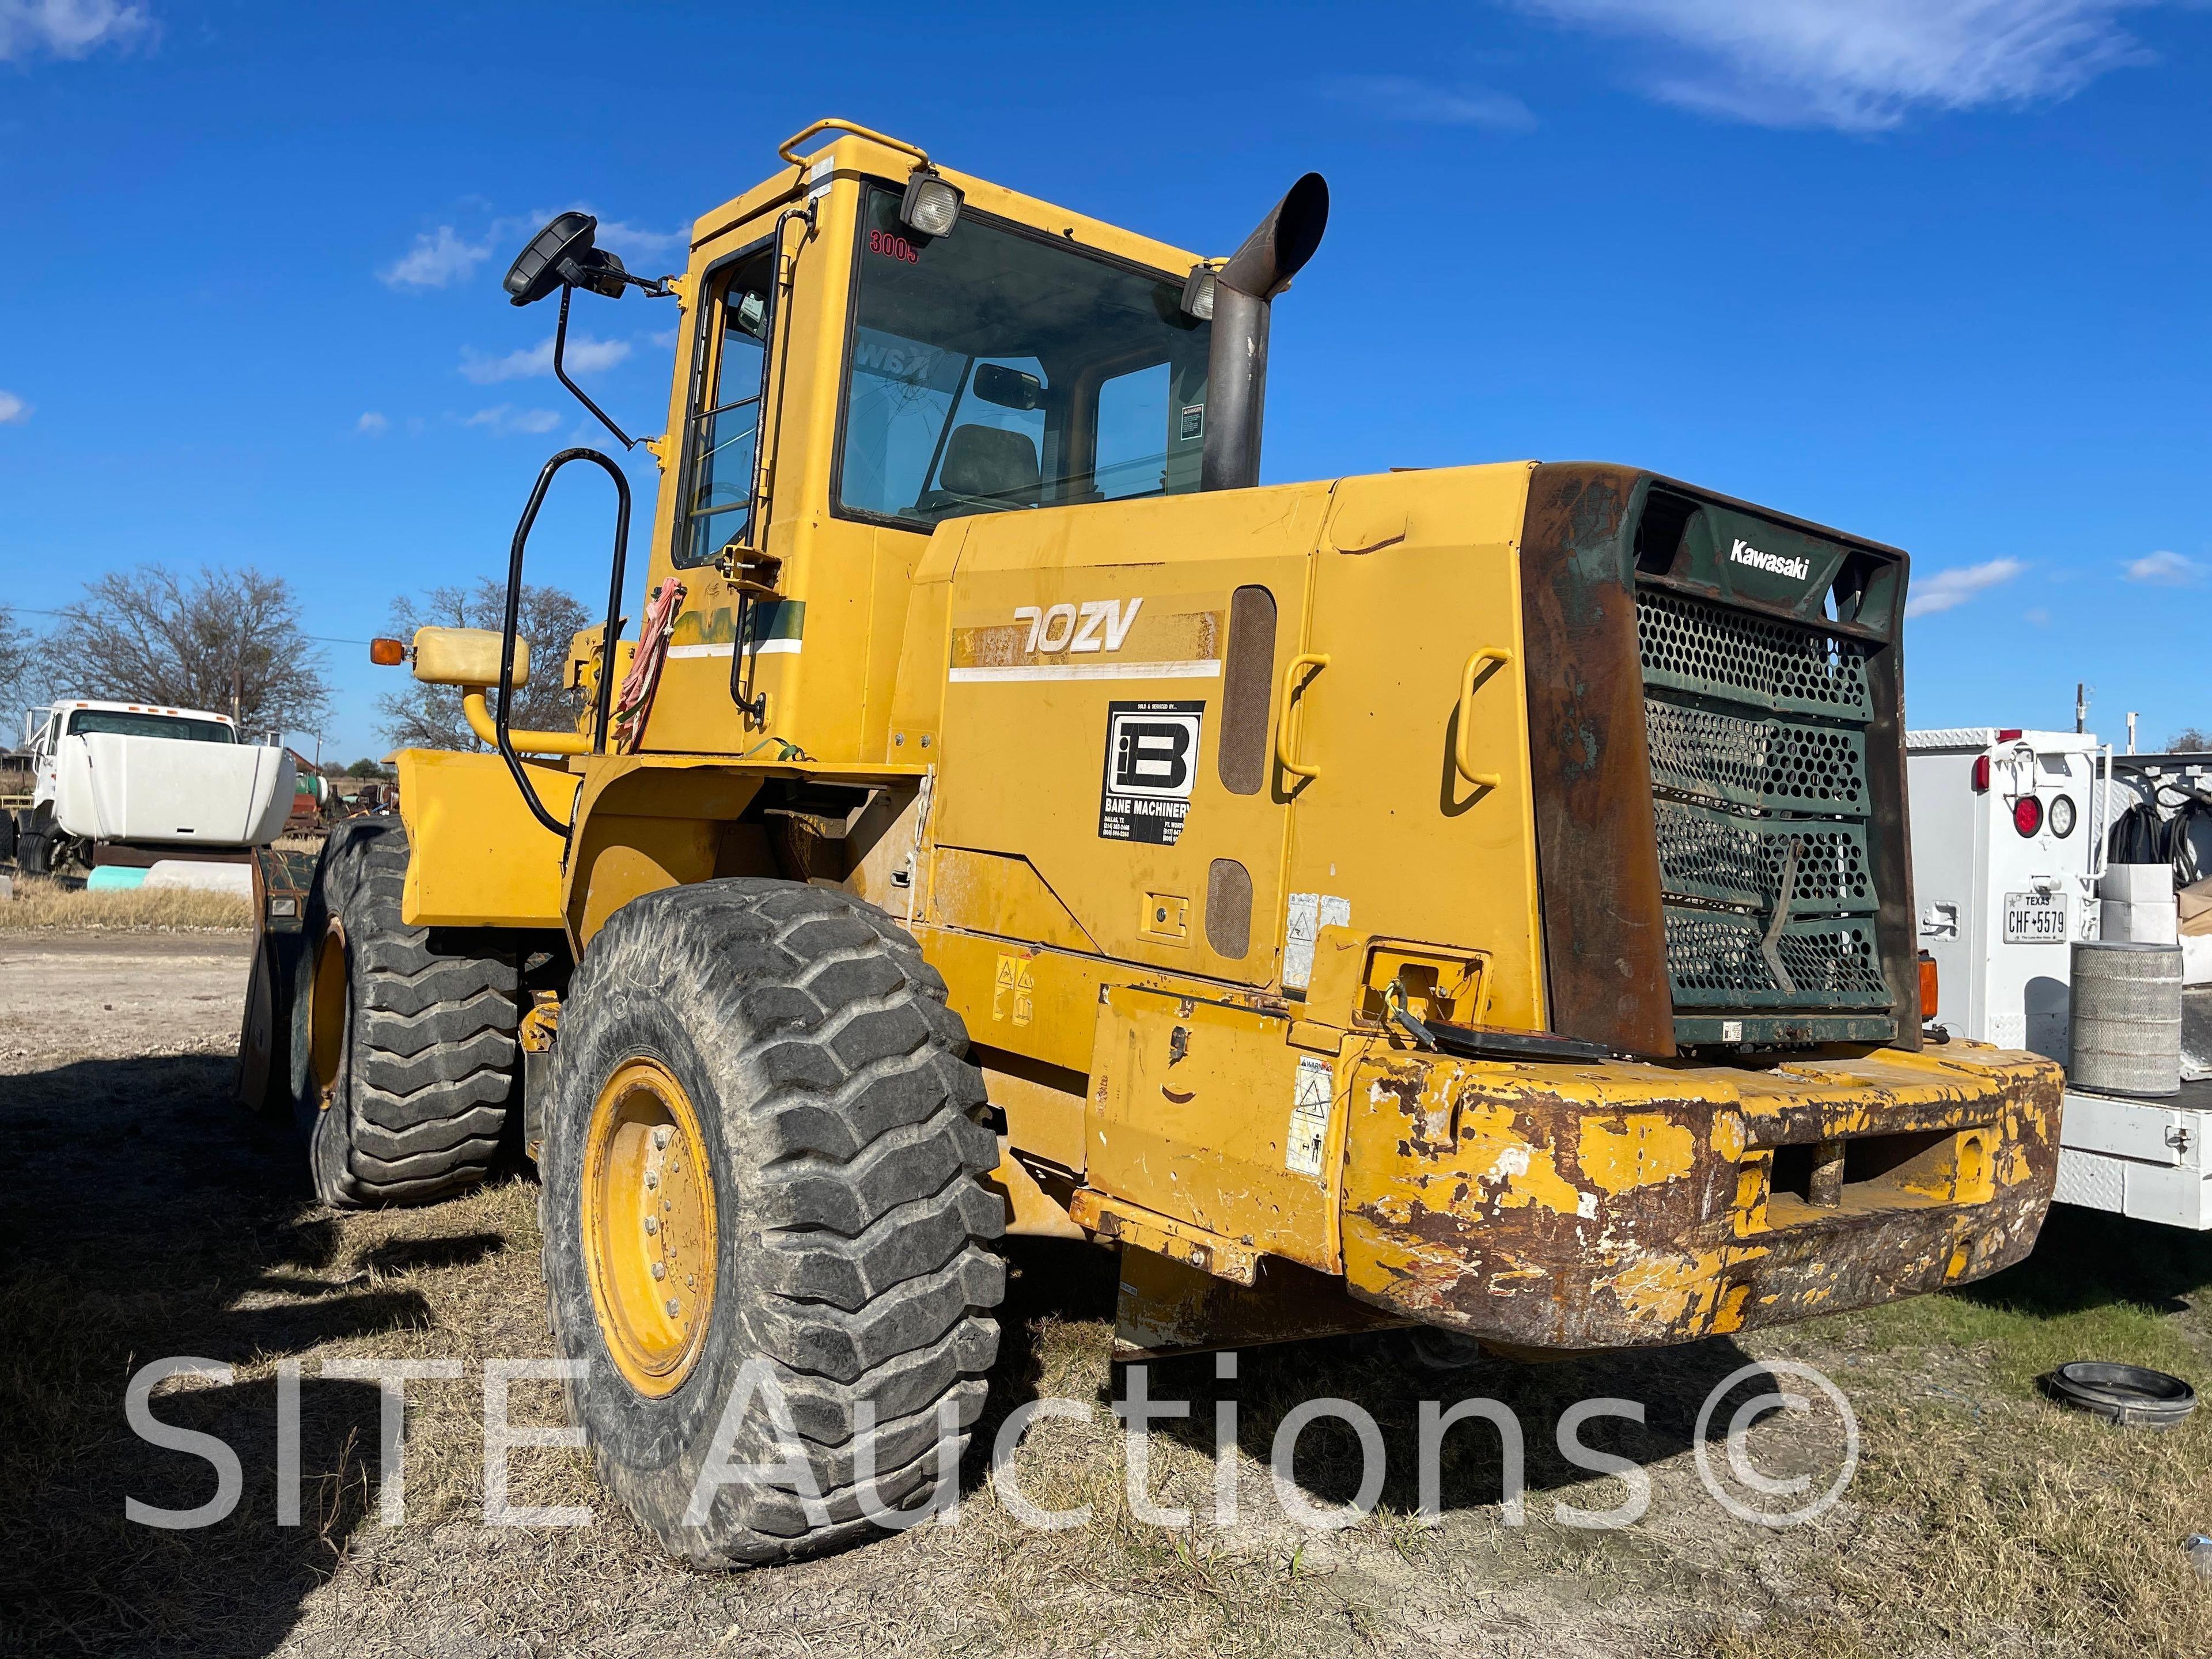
[(365, 768), (430, 716), (225, 640)]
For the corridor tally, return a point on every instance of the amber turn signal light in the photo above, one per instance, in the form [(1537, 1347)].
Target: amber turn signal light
[(1928, 987), (387, 654)]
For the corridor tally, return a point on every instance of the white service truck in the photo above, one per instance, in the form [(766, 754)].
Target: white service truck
[(2013, 838), (133, 783)]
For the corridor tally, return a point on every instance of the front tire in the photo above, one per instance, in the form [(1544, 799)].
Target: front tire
[(35, 846), (403, 1049), (762, 1180)]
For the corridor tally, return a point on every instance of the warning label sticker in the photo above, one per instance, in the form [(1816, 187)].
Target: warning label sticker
[(1151, 760), (1309, 1101)]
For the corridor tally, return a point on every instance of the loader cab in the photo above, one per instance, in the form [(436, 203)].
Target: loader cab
[(850, 387)]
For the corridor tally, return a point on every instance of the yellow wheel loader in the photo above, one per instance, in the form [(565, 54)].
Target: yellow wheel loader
[(1473, 898)]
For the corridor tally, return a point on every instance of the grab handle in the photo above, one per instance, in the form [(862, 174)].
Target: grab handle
[(1462, 745), (510, 623), (1287, 726)]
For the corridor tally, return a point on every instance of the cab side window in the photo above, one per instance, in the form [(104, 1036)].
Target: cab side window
[(724, 440)]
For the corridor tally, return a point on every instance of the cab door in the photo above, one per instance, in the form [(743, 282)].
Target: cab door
[(1406, 750)]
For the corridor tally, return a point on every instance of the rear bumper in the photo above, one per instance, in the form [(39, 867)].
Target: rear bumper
[(1629, 1205)]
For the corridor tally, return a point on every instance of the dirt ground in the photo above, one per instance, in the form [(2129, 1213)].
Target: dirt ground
[(142, 1216)]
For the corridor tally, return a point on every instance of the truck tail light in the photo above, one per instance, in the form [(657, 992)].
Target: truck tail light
[(1981, 775), (2009, 734), (2028, 815), (1929, 987)]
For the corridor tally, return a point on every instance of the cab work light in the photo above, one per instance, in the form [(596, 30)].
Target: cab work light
[(1198, 294), (931, 206), (387, 654)]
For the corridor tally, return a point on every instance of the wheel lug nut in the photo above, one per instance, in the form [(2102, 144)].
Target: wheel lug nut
[(671, 1307), (653, 1223), (651, 1179), (660, 1137), (659, 1271)]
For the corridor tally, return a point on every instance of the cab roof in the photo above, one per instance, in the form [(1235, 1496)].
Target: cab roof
[(854, 151)]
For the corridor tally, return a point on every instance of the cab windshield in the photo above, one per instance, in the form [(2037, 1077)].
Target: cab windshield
[(990, 371), (129, 724)]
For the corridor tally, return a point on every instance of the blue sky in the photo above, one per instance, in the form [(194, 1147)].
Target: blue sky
[(1933, 271)]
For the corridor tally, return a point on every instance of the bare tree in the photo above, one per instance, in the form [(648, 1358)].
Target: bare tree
[(2189, 740), (18, 660), (225, 640), (430, 716)]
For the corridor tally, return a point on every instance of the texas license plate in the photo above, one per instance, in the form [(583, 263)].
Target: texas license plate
[(2035, 918)]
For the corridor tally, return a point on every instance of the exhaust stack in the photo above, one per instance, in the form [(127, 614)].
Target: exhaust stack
[(1236, 363)]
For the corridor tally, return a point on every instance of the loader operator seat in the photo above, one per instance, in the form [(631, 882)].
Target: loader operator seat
[(986, 469)]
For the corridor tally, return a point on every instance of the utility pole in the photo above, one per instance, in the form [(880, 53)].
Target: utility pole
[(2080, 707), (2132, 731)]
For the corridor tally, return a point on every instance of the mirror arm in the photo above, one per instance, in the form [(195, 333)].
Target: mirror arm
[(560, 345)]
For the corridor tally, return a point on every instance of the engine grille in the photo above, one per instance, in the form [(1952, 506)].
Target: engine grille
[(1757, 729), (1687, 645)]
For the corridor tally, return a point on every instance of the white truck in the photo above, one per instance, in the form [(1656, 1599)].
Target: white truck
[(2012, 832), (133, 783)]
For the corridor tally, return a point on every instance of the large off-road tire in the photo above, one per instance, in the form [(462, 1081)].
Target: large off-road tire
[(765, 1076), (403, 1054)]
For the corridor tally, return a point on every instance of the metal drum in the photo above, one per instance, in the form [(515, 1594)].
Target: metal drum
[(2126, 1037)]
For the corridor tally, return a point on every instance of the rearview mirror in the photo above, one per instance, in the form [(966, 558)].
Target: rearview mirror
[(1009, 388), (564, 253)]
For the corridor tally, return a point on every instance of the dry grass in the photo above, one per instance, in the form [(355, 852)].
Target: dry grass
[(44, 906), (1991, 1521)]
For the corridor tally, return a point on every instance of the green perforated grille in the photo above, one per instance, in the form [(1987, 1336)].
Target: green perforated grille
[(1758, 741), (1729, 860), (1689, 645), (1717, 960), (1776, 765)]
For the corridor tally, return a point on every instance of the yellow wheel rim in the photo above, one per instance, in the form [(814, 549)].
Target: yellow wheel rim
[(326, 1015), (648, 1225)]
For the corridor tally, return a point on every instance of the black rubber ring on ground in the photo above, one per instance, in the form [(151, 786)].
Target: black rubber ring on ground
[(2132, 1396)]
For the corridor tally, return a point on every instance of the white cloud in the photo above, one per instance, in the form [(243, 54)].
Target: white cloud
[(13, 412), (1402, 98), (372, 425), (2166, 569), (1947, 589), (67, 28), (438, 259), (1863, 65), (506, 420), (585, 355)]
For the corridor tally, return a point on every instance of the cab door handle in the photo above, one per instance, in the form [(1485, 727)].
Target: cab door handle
[(1462, 746), (1287, 726)]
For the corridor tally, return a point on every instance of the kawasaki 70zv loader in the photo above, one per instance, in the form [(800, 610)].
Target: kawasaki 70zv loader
[(1472, 898)]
